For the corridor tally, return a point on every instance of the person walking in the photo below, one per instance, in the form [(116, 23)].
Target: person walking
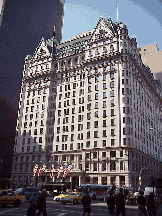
[(141, 201), (31, 211), (86, 200), (120, 203), (111, 204), (42, 204), (151, 205)]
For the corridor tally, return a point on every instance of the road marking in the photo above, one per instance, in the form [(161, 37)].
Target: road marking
[(7, 211), (61, 214)]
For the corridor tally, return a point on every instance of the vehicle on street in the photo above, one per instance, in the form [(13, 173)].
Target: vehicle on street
[(9, 197), (148, 190), (95, 191), (136, 194), (27, 192), (105, 196), (74, 198), (58, 198), (55, 193)]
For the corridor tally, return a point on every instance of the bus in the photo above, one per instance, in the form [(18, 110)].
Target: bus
[(95, 191)]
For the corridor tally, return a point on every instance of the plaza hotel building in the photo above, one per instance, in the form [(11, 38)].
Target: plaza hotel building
[(92, 103)]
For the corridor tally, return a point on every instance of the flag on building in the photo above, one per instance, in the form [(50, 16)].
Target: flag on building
[(35, 169), (42, 169), (60, 171), (67, 170), (52, 170)]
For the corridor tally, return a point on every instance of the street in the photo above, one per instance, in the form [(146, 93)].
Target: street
[(58, 209)]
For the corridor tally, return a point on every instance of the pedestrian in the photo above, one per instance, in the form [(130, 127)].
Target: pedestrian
[(151, 205), (111, 204), (161, 202), (41, 205), (86, 200), (120, 203), (141, 201), (31, 211)]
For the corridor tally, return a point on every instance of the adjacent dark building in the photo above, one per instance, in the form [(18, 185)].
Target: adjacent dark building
[(24, 23)]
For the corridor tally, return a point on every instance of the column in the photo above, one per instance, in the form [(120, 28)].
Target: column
[(127, 180), (71, 181), (79, 180), (100, 161), (91, 180), (77, 163), (99, 180), (108, 180), (83, 160), (117, 181)]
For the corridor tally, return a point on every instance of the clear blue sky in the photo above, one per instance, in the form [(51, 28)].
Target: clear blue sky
[(143, 18)]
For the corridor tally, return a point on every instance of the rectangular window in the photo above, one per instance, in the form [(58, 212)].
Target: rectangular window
[(112, 84), (112, 142), (111, 75), (112, 166), (104, 77), (103, 143), (96, 96), (96, 114), (95, 144), (121, 165), (104, 104), (95, 134), (121, 153), (104, 133), (112, 122), (95, 167), (104, 123), (104, 95), (96, 87), (112, 93), (104, 113), (112, 112), (89, 80), (104, 85), (88, 134), (96, 79), (95, 124), (88, 125), (96, 105), (112, 132), (89, 89)]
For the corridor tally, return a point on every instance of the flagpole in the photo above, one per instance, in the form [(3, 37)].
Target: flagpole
[(117, 11)]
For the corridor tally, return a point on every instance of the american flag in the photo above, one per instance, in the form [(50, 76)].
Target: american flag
[(67, 170), (60, 171), (35, 168), (42, 169), (52, 171)]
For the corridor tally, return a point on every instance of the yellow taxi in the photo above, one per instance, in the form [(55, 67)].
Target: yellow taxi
[(60, 196), (9, 197), (75, 197)]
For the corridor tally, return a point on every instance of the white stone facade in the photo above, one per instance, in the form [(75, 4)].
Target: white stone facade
[(90, 102)]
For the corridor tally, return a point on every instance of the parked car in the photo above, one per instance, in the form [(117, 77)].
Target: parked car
[(8, 197), (58, 198), (27, 192), (73, 198)]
